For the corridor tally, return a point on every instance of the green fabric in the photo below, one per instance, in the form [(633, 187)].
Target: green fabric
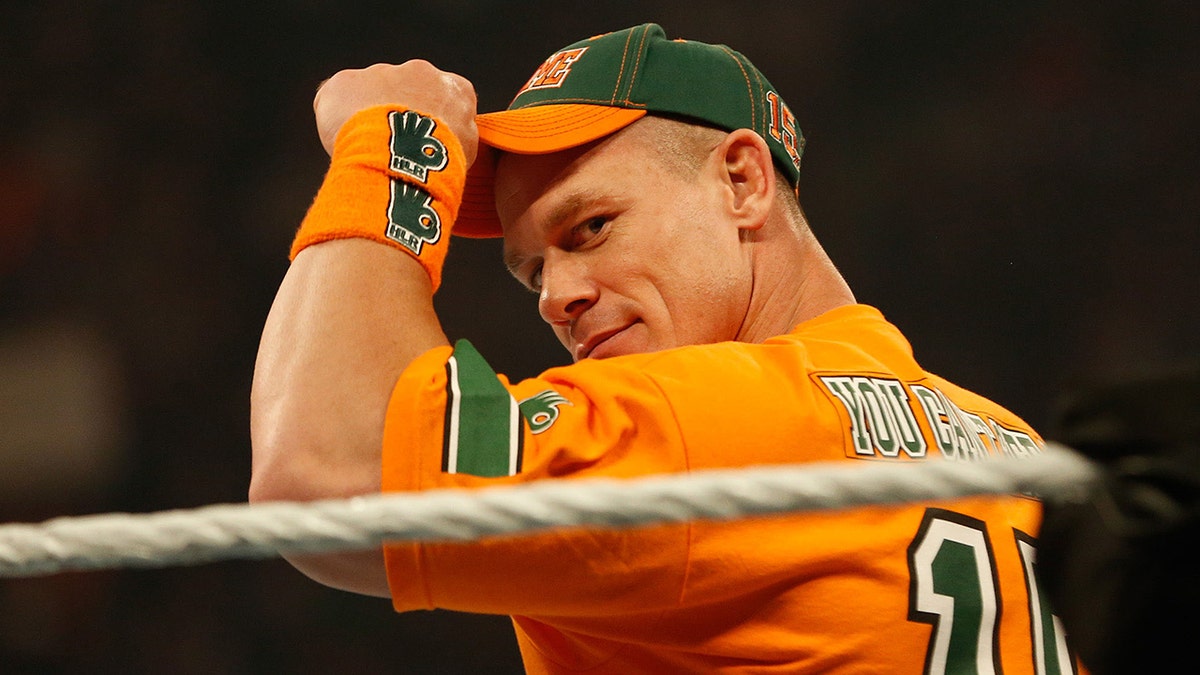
[(483, 425), (641, 68)]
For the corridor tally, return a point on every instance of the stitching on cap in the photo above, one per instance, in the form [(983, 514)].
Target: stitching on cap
[(578, 120), (745, 76), (621, 71), (637, 66), (577, 99), (762, 86), (499, 124)]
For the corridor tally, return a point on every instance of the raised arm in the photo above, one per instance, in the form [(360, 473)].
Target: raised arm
[(349, 316)]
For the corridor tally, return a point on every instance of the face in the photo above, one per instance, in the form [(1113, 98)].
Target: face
[(626, 252)]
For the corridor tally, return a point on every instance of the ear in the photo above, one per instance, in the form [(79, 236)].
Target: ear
[(748, 176)]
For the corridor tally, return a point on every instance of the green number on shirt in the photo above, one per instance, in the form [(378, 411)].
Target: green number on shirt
[(953, 587)]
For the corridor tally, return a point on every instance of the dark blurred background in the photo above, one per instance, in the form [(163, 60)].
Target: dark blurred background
[(1016, 185)]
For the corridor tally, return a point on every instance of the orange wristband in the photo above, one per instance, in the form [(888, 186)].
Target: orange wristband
[(396, 177)]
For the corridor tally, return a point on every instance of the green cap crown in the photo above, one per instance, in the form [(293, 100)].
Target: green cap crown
[(639, 68)]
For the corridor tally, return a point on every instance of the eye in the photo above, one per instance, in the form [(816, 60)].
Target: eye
[(587, 230), (535, 279)]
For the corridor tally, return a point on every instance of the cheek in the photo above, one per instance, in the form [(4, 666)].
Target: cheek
[(705, 295), (717, 305)]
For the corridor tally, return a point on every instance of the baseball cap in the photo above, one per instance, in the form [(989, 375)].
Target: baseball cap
[(595, 87)]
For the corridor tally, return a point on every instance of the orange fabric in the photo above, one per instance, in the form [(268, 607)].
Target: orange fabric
[(550, 128), (477, 217), (822, 592), (357, 195)]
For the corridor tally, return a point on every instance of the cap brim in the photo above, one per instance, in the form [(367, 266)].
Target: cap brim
[(528, 131)]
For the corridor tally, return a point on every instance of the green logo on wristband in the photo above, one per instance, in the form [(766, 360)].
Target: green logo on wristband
[(415, 152), (412, 221)]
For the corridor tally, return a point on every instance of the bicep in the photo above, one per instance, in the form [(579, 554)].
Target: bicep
[(347, 319)]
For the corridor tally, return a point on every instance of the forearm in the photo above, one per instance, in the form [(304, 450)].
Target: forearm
[(348, 317)]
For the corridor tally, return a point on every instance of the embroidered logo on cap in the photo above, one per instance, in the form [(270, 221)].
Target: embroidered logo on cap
[(783, 127), (554, 71)]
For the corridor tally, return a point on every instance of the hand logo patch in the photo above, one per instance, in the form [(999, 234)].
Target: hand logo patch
[(415, 151), (541, 410)]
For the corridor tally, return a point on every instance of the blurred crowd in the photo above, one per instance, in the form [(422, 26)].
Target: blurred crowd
[(1017, 186)]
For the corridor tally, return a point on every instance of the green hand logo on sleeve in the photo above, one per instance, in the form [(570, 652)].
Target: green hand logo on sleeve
[(541, 409), (412, 221), (415, 152)]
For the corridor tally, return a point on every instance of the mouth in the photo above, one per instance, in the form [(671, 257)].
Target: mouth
[(596, 342)]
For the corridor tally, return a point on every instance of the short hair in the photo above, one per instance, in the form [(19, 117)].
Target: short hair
[(683, 143)]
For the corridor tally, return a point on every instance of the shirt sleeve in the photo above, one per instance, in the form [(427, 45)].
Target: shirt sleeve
[(453, 423)]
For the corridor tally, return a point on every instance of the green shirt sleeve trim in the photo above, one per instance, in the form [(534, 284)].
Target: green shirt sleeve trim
[(484, 430)]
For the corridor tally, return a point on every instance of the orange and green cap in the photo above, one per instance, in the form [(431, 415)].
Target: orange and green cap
[(598, 86)]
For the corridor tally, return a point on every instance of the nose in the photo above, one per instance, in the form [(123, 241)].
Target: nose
[(567, 288)]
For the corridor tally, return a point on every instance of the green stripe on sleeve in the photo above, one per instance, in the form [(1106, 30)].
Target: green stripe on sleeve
[(484, 432)]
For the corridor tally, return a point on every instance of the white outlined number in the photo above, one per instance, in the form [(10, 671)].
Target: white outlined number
[(953, 587)]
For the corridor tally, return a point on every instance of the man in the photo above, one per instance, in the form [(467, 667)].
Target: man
[(646, 191)]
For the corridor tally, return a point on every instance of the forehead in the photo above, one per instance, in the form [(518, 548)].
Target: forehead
[(535, 189), (522, 179)]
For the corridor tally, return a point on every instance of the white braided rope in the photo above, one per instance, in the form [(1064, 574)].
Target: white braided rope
[(251, 531)]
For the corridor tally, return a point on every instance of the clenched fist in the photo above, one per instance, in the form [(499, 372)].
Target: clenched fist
[(417, 84)]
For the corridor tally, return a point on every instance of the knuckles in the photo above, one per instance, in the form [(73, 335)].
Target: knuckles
[(416, 84)]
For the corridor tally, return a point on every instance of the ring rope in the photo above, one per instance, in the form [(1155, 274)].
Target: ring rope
[(264, 530)]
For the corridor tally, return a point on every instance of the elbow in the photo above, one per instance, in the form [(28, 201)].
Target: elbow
[(288, 456), (289, 465), (300, 454), (274, 447), (266, 488), (274, 474)]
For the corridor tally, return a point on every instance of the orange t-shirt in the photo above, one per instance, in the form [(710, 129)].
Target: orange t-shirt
[(928, 587)]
